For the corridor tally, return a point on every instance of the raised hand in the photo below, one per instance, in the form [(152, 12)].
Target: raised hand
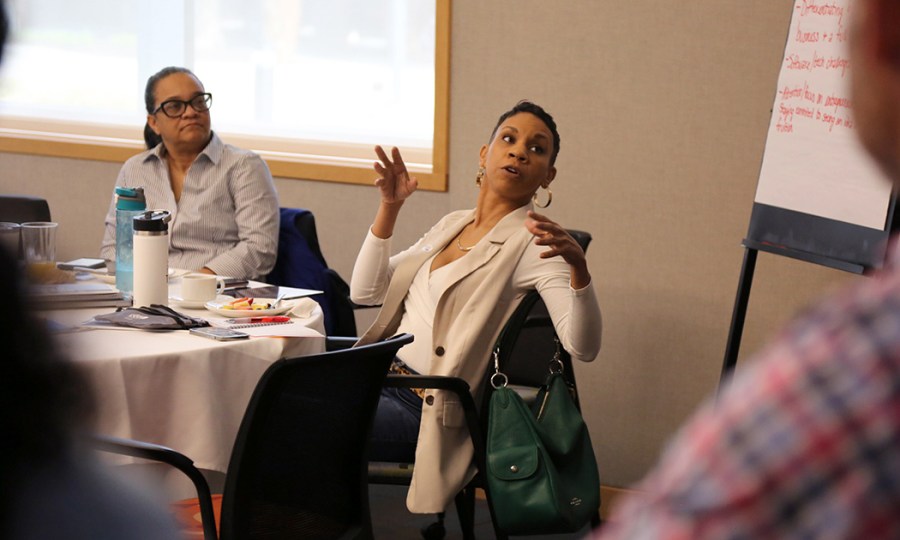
[(394, 181), (554, 236)]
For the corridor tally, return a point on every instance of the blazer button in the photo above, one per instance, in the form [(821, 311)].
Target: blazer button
[(429, 400), (439, 351)]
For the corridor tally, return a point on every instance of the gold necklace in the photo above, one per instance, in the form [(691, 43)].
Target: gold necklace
[(466, 249)]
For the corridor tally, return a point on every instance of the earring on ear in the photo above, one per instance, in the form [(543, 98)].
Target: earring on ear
[(549, 199), (479, 176)]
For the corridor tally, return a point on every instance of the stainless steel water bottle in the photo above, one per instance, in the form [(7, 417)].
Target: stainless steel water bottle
[(151, 258)]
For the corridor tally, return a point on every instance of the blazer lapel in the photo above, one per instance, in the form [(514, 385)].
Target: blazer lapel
[(390, 313), (389, 316), (404, 275), (487, 249)]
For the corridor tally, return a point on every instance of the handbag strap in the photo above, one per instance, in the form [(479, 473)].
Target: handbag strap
[(510, 334), (500, 380)]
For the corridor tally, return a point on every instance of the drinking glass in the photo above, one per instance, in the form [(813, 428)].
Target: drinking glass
[(39, 243)]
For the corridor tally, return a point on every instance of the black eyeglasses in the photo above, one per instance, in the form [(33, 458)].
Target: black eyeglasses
[(174, 108)]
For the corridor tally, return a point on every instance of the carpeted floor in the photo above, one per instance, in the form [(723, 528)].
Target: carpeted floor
[(390, 518), (392, 521)]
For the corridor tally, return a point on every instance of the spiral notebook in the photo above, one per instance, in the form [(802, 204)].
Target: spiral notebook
[(257, 324)]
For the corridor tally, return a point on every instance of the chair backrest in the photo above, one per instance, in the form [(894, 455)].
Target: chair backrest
[(22, 208), (300, 263), (582, 237), (298, 467)]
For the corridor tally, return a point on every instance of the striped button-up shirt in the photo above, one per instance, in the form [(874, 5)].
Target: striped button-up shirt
[(226, 219), (804, 443)]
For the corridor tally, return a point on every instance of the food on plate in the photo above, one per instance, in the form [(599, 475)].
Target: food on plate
[(246, 303)]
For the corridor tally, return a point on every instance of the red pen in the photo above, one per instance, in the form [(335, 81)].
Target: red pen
[(253, 320)]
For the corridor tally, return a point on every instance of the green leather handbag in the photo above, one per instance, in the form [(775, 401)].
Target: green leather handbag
[(542, 475)]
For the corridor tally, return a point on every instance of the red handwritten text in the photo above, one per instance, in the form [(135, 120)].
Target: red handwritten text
[(811, 7)]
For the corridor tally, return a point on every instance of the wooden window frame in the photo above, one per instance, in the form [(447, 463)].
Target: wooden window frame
[(111, 149)]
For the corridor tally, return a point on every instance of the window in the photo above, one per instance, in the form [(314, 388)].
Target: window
[(311, 85)]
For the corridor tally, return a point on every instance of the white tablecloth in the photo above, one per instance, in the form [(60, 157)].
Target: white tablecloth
[(176, 389)]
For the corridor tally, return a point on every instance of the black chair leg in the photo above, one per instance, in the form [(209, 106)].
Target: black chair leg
[(465, 509), (436, 530)]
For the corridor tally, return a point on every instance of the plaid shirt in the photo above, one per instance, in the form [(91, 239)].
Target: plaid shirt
[(804, 443)]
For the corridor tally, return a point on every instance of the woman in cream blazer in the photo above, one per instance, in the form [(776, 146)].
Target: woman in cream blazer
[(455, 288)]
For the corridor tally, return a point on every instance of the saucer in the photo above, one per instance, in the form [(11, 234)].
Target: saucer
[(195, 304)]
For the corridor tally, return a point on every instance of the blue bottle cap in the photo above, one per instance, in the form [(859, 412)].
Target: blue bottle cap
[(130, 199)]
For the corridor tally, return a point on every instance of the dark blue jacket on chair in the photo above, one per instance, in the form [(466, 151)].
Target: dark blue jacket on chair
[(298, 265)]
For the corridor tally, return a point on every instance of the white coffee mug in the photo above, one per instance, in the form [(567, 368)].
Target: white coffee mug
[(201, 287)]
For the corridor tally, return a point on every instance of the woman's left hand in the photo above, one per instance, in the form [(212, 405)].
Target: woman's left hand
[(553, 235)]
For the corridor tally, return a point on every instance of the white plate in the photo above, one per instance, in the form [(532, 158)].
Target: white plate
[(216, 307)]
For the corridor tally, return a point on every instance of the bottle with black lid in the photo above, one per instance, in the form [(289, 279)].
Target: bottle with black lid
[(151, 258)]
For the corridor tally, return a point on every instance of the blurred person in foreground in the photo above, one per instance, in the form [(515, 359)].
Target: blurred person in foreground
[(456, 287), (222, 198), (51, 484), (805, 441), (51, 487)]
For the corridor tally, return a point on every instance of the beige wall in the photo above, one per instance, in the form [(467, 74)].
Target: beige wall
[(663, 109)]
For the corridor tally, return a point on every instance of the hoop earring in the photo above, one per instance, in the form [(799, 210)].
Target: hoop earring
[(549, 199), (479, 176)]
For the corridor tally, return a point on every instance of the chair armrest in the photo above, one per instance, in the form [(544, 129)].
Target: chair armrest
[(144, 450), (453, 384), (164, 454), (338, 343), (537, 321)]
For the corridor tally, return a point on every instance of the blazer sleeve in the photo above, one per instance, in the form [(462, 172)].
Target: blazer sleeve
[(575, 313), (375, 266)]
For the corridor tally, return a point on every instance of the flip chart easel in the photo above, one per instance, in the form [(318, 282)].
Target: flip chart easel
[(820, 199)]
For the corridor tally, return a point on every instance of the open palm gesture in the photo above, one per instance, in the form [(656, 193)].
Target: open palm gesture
[(394, 180)]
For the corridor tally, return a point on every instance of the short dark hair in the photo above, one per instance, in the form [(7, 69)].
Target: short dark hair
[(526, 106), (151, 139)]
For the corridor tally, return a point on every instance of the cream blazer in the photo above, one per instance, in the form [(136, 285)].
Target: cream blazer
[(470, 314)]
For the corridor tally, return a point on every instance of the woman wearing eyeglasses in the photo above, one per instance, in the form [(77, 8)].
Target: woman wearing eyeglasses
[(222, 198)]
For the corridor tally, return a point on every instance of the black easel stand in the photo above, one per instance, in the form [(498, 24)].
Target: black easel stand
[(742, 299), (736, 331)]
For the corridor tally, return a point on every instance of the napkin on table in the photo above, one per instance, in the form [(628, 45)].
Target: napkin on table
[(304, 308)]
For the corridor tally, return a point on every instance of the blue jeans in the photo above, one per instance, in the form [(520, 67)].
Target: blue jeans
[(396, 427)]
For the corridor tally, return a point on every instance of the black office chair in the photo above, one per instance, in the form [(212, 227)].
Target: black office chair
[(22, 208), (527, 343), (298, 466), (300, 263)]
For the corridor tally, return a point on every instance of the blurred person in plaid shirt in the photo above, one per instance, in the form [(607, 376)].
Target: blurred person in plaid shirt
[(805, 442)]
